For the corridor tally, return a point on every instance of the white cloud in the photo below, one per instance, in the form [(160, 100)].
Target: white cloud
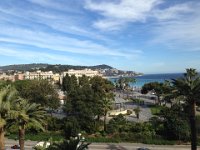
[(119, 13), (60, 5), (57, 42), (179, 35), (36, 56), (173, 12), (58, 20)]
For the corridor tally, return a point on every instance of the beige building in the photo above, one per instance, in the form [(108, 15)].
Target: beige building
[(56, 77), (4, 76), (19, 76), (80, 73), (39, 75)]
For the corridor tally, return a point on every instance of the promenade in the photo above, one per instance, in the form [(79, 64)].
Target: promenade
[(145, 113)]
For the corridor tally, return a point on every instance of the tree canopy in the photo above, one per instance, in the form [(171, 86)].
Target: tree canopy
[(86, 99), (38, 91)]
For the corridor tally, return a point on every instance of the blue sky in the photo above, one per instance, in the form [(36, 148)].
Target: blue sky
[(150, 36)]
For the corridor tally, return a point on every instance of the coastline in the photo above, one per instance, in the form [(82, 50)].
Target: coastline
[(147, 78)]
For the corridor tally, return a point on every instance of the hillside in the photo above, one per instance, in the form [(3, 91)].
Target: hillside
[(48, 67), (23, 67)]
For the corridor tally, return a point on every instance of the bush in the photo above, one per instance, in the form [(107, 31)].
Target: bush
[(116, 124), (71, 127), (129, 112), (54, 124)]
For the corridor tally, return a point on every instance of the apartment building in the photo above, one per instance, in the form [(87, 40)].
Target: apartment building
[(80, 73), (39, 75)]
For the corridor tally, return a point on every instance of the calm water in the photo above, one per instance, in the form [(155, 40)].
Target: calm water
[(141, 80)]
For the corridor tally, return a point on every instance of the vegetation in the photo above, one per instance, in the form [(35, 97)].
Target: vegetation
[(38, 91), (155, 109), (48, 67), (26, 113), (189, 87), (123, 83), (88, 100), (155, 87), (137, 111), (76, 143), (7, 95)]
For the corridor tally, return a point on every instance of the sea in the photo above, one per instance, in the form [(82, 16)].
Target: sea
[(147, 78)]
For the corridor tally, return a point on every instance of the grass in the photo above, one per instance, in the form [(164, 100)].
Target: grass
[(155, 109), (102, 140), (44, 136)]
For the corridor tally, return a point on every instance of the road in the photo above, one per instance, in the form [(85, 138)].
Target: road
[(110, 146), (28, 144), (134, 146)]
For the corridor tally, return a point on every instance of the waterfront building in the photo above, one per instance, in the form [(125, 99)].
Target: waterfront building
[(80, 73), (39, 75)]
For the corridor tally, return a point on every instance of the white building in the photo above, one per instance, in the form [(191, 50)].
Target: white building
[(39, 75), (80, 73)]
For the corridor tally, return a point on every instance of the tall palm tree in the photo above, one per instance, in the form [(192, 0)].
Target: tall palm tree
[(189, 87), (106, 106), (28, 113), (7, 94)]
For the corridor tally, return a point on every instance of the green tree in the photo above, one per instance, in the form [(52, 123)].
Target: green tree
[(4, 83), (137, 111), (107, 105), (28, 113), (123, 82), (81, 105), (153, 86), (70, 144), (38, 91), (71, 127), (7, 95), (103, 96), (70, 83), (117, 124), (90, 100), (189, 87), (175, 123)]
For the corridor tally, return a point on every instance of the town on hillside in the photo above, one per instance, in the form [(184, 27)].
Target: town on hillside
[(56, 76)]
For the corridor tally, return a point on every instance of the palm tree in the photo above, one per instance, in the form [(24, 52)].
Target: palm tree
[(28, 113), (106, 106), (71, 144), (7, 94), (137, 111), (189, 87)]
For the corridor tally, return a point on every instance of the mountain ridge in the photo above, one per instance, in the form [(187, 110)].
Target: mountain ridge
[(49, 67)]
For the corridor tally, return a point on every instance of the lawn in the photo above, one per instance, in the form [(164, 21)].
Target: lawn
[(155, 109)]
